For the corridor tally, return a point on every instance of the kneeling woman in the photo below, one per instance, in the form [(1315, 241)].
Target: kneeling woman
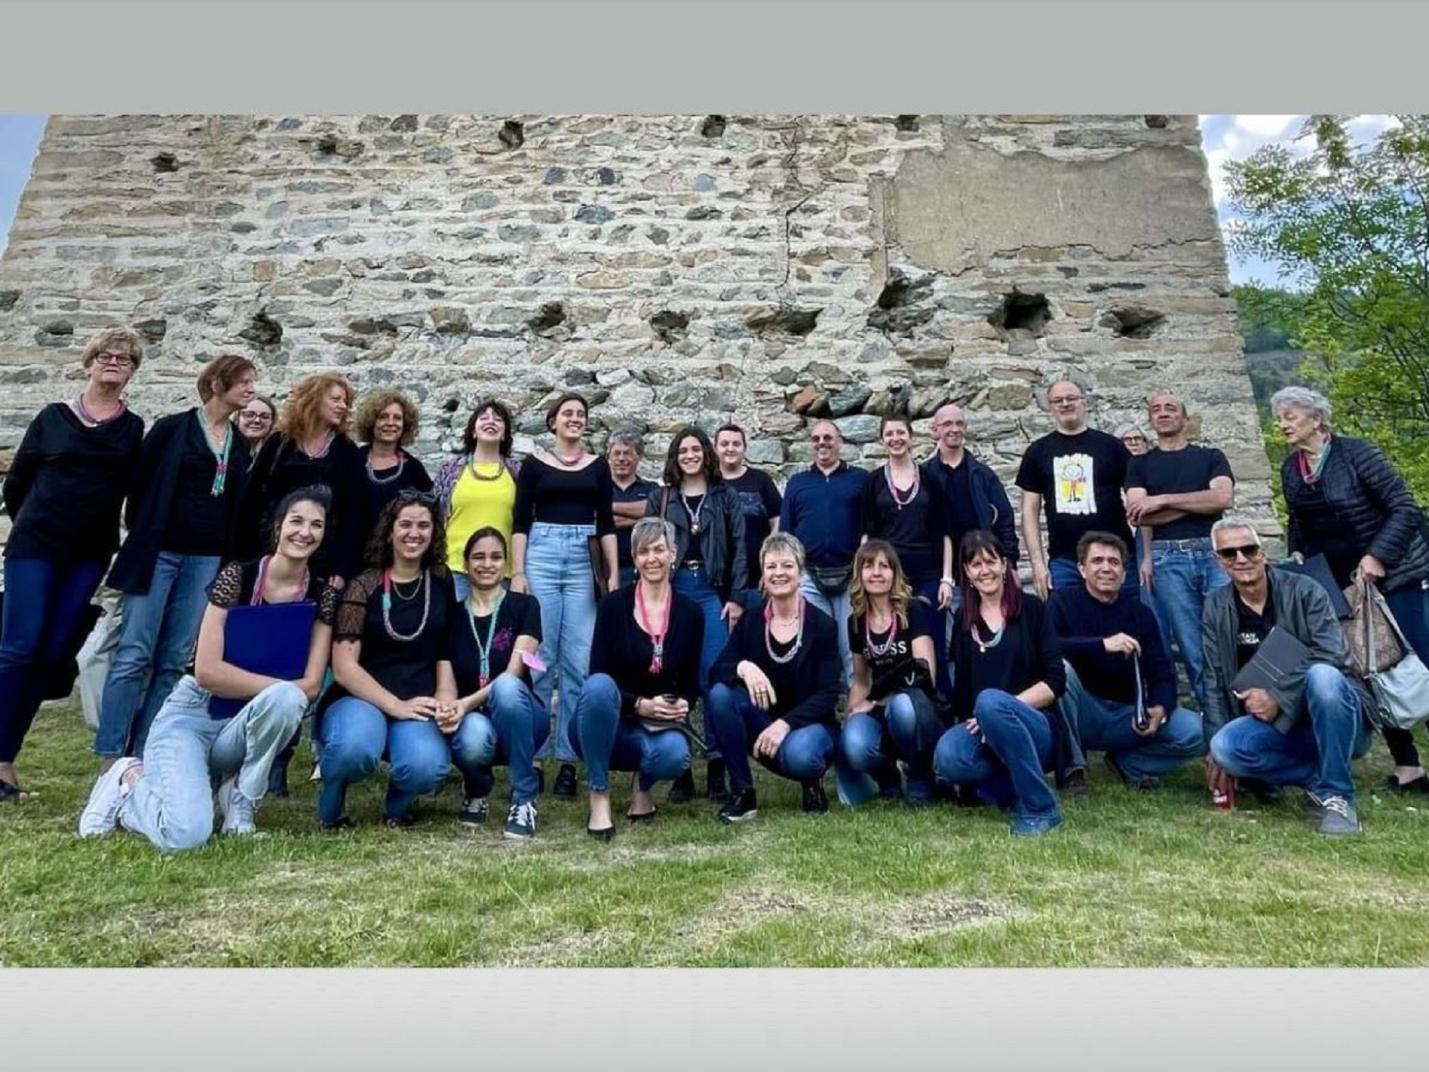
[(1007, 675), (489, 708), (389, 647), (644, 676), (891, 712), (169, 797), (774, 687)]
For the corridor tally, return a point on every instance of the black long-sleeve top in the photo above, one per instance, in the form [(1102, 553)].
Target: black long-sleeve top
[(916, 530), (67, 483), (1082, 622), (557, 496), (372, 496), (806, 688), (1028, 652), (623, 650), (282, 467)]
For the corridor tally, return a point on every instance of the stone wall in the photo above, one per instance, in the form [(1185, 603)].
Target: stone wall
[(675, 268)]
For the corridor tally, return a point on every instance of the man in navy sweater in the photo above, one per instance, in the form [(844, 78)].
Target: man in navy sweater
[(1109, 636)]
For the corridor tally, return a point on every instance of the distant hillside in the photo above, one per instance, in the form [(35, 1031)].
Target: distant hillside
[(1271, 370)]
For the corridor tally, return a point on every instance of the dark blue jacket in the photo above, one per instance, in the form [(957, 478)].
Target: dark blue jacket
[(825, 513), (994, 509)]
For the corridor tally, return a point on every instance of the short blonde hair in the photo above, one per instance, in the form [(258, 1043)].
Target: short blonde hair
[(114, 337), (372, 406)]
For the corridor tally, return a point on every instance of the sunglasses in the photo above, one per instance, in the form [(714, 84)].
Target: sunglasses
[(1250, 551), (412, 495)]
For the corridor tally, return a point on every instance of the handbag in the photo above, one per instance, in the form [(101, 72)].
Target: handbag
[(1401, 692), (831, 580), (1365, 621), (597, 567)]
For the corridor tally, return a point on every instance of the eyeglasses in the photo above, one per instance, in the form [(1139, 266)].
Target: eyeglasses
[(1250, 552), (412, 495), (117, 360), (1133, 439), (256, 416)]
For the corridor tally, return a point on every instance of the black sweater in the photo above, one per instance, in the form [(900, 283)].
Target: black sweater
[(623, 650), (372, 496), (1082, 622), (1029, 652), (67, 483), (547, 494), (280, 468), (807, 687)]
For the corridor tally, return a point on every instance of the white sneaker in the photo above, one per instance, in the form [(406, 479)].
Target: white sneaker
[(237, 810), (317, 774), (101, 812)]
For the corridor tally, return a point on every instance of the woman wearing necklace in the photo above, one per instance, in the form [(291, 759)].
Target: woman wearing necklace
[(891, 715), (169, 796), (311, 447), (711, 565), (563, 501), (389, 654), (386, 425), (255, 423), (1347, 502), (477, 488), (644, 678), (775, 686), (1007, 675), (182, 519), (63, 493), (900, 508), (489, 709)]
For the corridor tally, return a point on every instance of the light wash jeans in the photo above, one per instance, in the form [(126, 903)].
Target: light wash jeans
[(1184, 573), (609, 742), (1317, 751), (1107, 725), (1006, 761), (157, 633), (509, 729), (836, 607), (172, 804), (356, 735), (558, 572)]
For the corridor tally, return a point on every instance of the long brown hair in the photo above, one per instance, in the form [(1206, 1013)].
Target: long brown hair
[(975, 543), (900, 592)]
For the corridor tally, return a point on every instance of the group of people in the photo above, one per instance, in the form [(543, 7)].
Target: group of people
[(437, 622)]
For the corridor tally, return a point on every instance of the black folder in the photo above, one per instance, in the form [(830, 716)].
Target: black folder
[(1280, 654), (1317, 568)]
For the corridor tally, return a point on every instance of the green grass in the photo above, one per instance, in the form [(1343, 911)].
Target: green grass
[(1130, 880)]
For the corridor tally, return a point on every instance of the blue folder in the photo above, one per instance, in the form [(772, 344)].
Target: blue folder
[(270, 639)]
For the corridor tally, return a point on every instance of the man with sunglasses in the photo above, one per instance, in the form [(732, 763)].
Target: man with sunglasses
[(1310, 723), (823, 508)]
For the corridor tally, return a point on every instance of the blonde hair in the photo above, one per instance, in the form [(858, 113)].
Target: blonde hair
[(302, 414), (900, 592), (114, 336), (373, 405), (782, 543)]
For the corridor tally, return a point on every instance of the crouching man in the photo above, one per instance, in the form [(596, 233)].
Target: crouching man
[(1305, 727), (1121, 685)]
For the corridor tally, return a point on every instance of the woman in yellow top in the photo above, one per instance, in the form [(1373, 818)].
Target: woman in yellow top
[(478, 488)]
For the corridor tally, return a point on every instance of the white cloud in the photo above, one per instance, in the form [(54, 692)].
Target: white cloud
[(1265, 126), (1217, 159)]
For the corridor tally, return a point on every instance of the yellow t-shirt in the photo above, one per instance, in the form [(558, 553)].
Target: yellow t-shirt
[(477, 504)]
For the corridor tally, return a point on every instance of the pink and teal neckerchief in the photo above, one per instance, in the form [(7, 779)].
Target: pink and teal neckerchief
[(1309, 475), (483, 647), (656, 633), (220, 457)]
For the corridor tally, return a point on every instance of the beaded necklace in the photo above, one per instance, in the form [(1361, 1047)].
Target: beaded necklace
[(483, 647), (90, 419), (901, 499), (657, 634), (220, 457), (878, 651), (423, 582), (372, 473), (693, 511), (321, 452), (798, 640), (476, 474), (580, 457)]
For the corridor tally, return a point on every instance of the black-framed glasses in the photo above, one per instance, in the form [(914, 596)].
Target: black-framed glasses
[(1250, 551), (415, 495), (117, 360)]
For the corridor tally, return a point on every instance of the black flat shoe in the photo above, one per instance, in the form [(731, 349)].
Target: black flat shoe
[(607, 834), (642, 817), (565, 781), (342, 822), (1075, 783), (815, 802), (399, 822), (682, 789), (9, 790)]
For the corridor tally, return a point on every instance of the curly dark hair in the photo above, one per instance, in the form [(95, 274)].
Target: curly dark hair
[(379, 553), (372, 406), (672, 475), (468, 437)]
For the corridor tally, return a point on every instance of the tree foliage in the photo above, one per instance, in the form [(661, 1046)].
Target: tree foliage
[(1349, 226)]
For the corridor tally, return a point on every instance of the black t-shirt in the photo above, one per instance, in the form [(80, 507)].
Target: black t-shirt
[(405, 668), (889, 665), (1080, 478), (915, 530), (378, 487), (518, 616), (692, 504), (1170, 472), (637, 492), (759, 501), (197, 518), (962, 515), (1252, 628)]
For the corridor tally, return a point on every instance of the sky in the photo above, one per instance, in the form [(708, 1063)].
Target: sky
[(1223, 137)]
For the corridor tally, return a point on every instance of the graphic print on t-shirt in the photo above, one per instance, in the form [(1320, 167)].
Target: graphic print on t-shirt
[(1073, 483)]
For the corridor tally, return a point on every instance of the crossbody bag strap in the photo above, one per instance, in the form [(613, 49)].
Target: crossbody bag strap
[(1383, 605), (1367, 619)]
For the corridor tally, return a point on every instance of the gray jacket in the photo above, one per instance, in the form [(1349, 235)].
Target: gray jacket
[(1303, 609)]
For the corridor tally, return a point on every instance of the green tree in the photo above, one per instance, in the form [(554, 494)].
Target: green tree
[(1349, 226)]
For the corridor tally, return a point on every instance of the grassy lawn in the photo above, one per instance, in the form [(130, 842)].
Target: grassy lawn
[(1130, 880)]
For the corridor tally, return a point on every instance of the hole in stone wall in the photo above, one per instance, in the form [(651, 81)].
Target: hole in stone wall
[(670, 325), (8, 298), (512, 134), (165, 162), (906, 122), (262, 330), (898, 308), (152, 330), (552, 315), (1134, 322), (789, 321), (1022, 312), (450, 405), (713, 126), (1157, 122)]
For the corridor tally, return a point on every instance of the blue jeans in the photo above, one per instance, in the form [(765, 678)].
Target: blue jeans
[(1317, 751), (44, 606), (509, 730), (607, 742), (838, 608), (1066, 575), (1410, 607), (803, 757), (1182, 579), (1106, 725), (692, 585), (1007, 764), (356, 736), (172, 804), (558, 572), (905, 727), (157, 634)]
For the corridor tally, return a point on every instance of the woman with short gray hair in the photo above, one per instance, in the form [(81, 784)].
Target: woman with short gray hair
[(1347, 502)]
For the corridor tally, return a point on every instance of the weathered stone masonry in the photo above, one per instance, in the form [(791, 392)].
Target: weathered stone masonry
[(675, 268)]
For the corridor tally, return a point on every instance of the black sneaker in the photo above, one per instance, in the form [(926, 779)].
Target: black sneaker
[(520, 822), (399, 822), (565, 781), (716, 781), (682, 789), (815, 803), (473, 811), (741, 807)]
